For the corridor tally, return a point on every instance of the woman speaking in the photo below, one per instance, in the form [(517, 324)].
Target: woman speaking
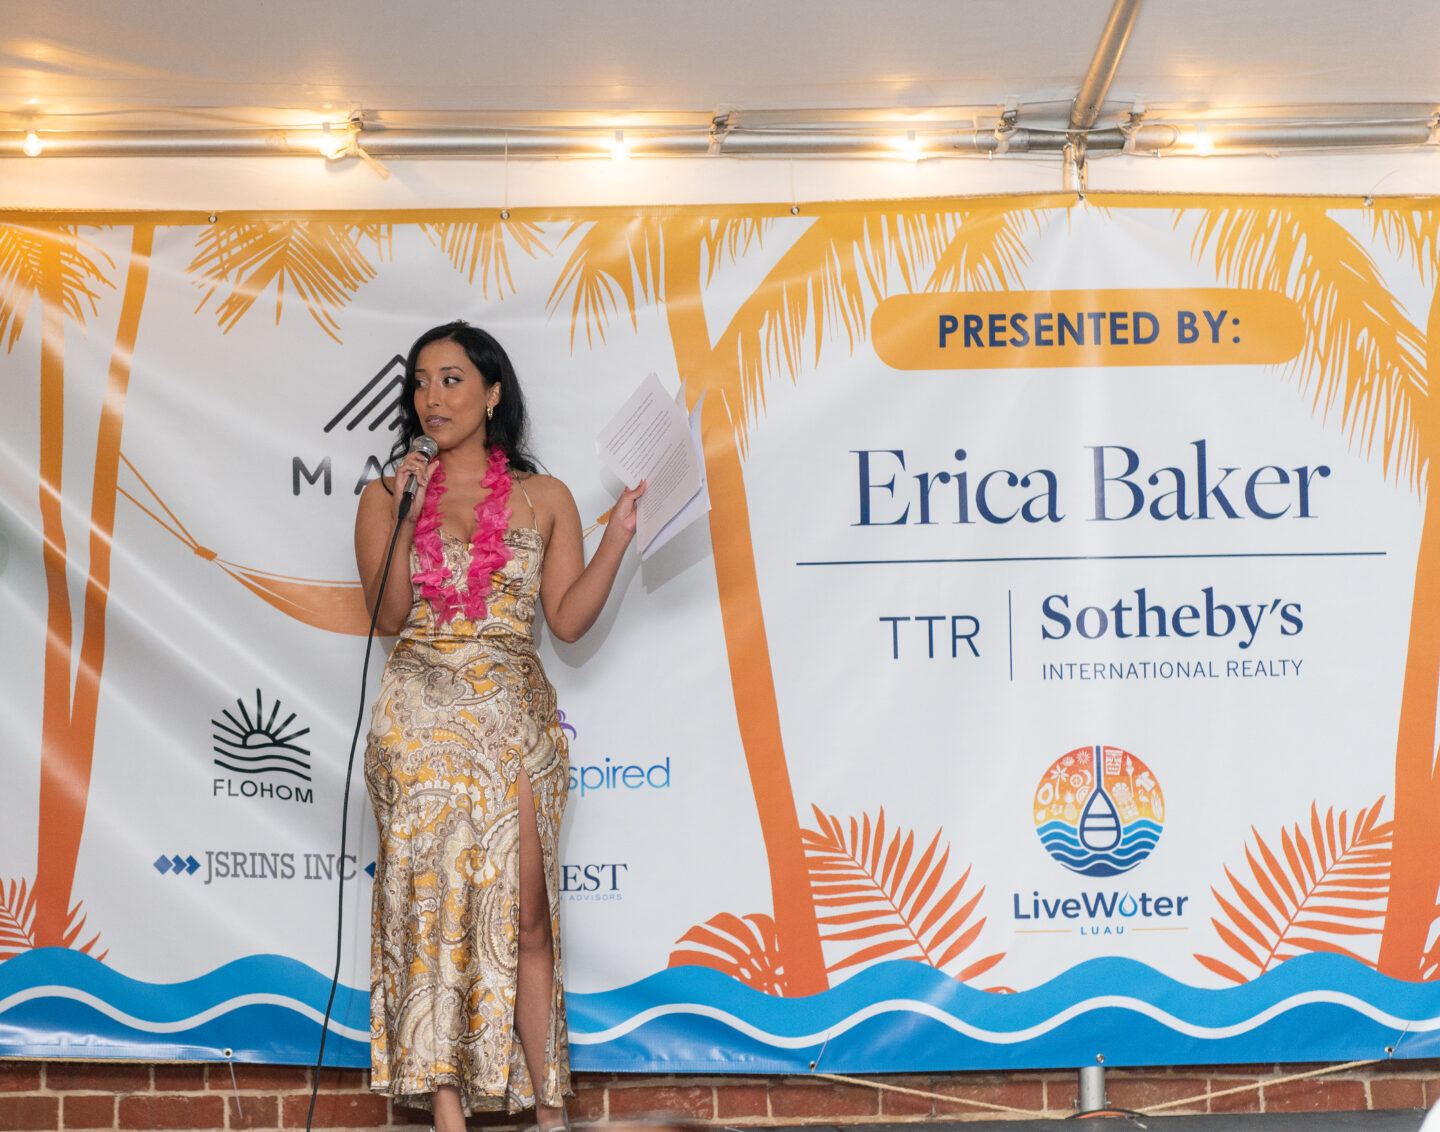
[(466, 762)]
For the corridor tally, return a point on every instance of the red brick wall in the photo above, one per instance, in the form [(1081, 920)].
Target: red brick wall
[(45, 1096)]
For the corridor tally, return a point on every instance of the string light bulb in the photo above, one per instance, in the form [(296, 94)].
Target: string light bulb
[(620, 148), (1204, 143), (333, 146), (31, 146), (910, 147)]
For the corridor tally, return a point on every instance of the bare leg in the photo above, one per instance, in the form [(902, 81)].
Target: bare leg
[(449, 1116), (535, 979)]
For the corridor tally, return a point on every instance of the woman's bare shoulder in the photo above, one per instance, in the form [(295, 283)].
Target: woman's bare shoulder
[(377, 488), (544, 487)]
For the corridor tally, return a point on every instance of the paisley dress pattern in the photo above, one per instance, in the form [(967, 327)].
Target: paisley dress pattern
[(463, 709)]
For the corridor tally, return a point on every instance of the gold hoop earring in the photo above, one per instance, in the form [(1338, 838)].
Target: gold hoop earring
[(489, 412)]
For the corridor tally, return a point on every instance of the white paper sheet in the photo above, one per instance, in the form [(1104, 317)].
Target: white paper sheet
[(699, 503), (650, 439)]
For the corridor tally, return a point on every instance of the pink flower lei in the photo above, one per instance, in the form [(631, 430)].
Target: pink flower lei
[(488, 552)]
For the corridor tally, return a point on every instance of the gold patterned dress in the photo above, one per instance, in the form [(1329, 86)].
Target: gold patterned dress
[(463, 709)]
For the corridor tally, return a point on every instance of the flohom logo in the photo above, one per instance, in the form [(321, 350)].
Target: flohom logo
[(1099, 811), (260, 746)]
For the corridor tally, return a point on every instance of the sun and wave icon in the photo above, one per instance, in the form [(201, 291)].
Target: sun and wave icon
[(1099, 811), (256, 744)]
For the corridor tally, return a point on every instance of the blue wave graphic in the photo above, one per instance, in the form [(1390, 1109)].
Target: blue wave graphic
[(57, 1003), (897, 1016), (904, 1016), (1062, 841)]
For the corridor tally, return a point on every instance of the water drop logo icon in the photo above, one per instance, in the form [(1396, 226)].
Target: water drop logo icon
[(1099, 811)]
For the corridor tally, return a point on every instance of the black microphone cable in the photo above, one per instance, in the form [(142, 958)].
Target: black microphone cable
[(405, 501)]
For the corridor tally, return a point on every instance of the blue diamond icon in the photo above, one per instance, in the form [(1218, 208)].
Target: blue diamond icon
[(162, 864), (179, 863), (370, 868), (191, 864)]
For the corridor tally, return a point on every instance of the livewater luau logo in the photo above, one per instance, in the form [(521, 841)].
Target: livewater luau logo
[(261, 746), (375, 406), (1099, 811)]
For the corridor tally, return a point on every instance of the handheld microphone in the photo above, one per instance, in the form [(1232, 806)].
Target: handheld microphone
[(422, 444)]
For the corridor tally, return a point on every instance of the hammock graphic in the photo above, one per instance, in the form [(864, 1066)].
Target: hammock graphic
[(336, 606)]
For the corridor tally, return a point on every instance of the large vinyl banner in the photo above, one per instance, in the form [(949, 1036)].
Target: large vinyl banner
[(1054, 677)]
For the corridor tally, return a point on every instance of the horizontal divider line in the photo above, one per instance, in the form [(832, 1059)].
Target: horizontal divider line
[(1095, 558)]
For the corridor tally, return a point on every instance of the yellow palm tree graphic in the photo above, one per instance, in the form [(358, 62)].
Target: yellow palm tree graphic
[(55, 265), (822, 285), (480, 245), (1415, 873), (320, 261), (324, 261), (1365, 362)]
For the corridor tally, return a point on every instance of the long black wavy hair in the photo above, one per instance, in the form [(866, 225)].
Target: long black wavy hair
[(509, 427)]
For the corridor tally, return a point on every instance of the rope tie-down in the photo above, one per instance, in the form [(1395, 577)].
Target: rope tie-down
[(1151, 1110)]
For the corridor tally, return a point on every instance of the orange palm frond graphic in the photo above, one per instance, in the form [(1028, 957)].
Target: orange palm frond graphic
[(1320, 893), (821, 284), (745, 949), (1430, 961), (826, 281), (1405, 228), (18, 903), (729, 240), (336, 606), (323, 263), (1362, 353), (21, 252), (480, 247), (884, 903), (73, 930), (988, 251), (612, 256), (17, 918)]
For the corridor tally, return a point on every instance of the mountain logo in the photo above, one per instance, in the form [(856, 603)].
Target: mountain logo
[(377, 402), (1099, 811)]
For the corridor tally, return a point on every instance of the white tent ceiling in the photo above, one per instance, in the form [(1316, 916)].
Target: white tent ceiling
[(67, 63), (82, 68)]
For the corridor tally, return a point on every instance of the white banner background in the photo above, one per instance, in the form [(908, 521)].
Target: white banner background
[(228, 428)]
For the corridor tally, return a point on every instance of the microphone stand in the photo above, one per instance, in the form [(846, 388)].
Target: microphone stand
[(406, 500)]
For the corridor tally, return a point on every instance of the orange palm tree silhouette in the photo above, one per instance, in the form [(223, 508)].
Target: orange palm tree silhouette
[(1415, 872), (1367, 363), (54, 264), (822, 285), (321, 262)]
